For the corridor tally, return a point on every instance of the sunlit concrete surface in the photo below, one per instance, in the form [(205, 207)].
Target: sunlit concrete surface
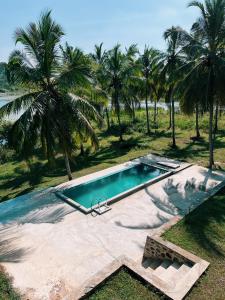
[(50, 249)]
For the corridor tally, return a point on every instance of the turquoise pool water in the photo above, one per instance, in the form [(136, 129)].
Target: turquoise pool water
[(107, 187)]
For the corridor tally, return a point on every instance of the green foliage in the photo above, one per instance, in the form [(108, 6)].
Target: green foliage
[(202, 233), (6, 290), (124, 286)]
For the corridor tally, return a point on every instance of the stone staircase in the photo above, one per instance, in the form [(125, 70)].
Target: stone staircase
[(172, 272), (171, 269)]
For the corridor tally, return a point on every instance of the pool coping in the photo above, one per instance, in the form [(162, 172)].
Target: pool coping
[(200, 265), (119, 196)]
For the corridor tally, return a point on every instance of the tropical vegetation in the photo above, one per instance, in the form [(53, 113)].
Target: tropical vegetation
[(68, 94), (81, 112)]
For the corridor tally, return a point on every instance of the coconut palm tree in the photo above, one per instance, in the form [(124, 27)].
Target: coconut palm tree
[(101, 82), (116, 70), (206, 44), (131, 87), (50, 113), (149, 62), (173, 61)]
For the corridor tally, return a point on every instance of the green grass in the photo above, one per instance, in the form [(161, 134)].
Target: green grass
[(123, 286), (17, 177), (203, 233), (6, 290)]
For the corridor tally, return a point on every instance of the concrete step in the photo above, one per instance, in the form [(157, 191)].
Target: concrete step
[(180, 274), (162, 268), (151, 263), (171, 272)]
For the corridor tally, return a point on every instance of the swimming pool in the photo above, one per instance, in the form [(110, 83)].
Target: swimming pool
[(111, 187)]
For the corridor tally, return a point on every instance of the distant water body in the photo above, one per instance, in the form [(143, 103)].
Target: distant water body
[(4, 100)]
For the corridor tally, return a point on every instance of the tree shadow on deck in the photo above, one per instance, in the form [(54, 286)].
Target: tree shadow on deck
[(35, 208), (145, 226), (10, 252), (196, 222)]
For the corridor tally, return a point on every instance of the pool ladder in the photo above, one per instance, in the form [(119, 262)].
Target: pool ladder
[(101, 209)]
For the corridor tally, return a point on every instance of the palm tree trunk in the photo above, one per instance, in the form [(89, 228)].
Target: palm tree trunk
[(133, 110), (216, 117), (118, 114), (107, 118), (81, 149), (211, 111), (211, 143), (170, 119), (173, 120), (197, 122), (67, 164), (120, 127), (147, 111), (155, 112)]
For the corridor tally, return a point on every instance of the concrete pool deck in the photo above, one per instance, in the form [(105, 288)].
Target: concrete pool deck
[(51, 250)]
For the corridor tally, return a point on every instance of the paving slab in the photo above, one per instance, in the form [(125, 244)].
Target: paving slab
[(51, 249)]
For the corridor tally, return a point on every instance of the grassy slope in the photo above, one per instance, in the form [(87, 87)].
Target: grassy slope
[(203, 233), (16, 178), (6, 290), (123, 286)]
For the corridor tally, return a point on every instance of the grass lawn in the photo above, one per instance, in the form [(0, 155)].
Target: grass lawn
[(202, 232), (123, 286), (6, 290), (18, 177)]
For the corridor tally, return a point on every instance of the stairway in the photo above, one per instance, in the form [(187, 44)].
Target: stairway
[(172, 273)]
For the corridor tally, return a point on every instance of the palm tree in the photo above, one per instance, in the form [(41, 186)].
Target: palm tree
[(50, 113), (173, 61), (149, 62), (207, 42), (101, 89), (131, 87), (117, 69), (192, 97)]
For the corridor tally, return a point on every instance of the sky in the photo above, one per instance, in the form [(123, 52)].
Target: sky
[(90, 22)]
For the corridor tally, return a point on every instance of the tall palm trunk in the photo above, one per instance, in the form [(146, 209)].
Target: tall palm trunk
[(155, 112), (170, 116), (147, 110), (197, 121), (216, 117), (133, 110), (67, 164), (107, 118), (210, 101), (117, 106), (82, 149), (173, 120)]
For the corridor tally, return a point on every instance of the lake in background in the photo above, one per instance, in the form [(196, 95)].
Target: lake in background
[(6, 99)]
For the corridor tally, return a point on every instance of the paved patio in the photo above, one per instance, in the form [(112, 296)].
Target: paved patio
[(51, 250)]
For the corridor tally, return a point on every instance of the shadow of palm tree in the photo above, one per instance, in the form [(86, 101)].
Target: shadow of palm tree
[(9, 249), (178, 198), (145, 226), (36, 208), (199, 224)]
